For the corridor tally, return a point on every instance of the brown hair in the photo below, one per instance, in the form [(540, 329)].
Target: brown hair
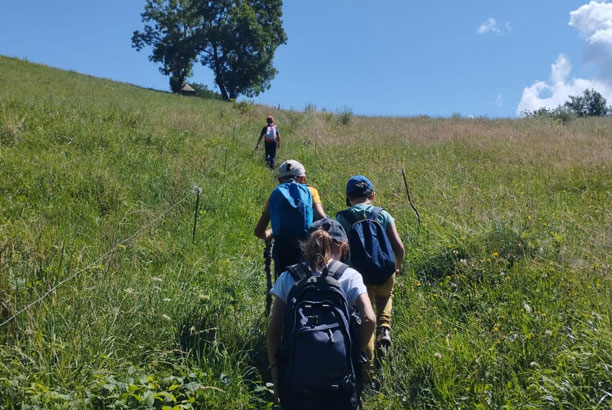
[(320, 247)]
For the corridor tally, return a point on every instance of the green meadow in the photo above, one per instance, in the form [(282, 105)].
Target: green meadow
[(505, 301)]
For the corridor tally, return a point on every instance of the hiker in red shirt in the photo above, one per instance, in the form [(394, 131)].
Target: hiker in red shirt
[(272, 143)]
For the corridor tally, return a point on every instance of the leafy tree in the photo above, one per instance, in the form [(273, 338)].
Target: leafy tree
[(236, 39), (590, 103), (171, 33), (202, 91)]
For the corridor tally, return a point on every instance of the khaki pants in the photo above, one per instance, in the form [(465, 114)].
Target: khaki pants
[(381, 298)]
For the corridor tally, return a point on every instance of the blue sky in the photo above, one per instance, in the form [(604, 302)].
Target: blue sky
[(390, 57)]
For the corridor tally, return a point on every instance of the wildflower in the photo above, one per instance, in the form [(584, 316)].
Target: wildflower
[(496, 329), (166, 317), (419, 283), (157, 279), (498, 341), (121, 246), (437, 355), (204, 298), (439, 322), (166, 299), (463, 261), (495, 254), (548, 332), (534, 364), (448, 277), (502, 273)]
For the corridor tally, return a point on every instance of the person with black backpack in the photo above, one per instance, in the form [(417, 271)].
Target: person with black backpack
[(377, 252), (321, 321), (291, 209)]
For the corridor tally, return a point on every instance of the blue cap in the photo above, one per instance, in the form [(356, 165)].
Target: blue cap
[(358, 185)]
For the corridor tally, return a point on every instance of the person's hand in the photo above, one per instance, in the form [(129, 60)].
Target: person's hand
[(276, 396), (269, 235)]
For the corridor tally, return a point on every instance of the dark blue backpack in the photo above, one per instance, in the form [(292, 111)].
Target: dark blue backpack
[(319, 360), (371, 251), (290, 212)]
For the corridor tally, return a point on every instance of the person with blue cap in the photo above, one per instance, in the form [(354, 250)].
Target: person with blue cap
[(359, 197)]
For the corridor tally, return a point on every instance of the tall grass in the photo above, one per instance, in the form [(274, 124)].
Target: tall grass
[(505, 301)]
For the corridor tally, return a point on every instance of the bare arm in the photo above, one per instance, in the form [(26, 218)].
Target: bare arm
[(260, 229), (259, 140), (368, 320), (397, 245), (273, 338), (318, 212)]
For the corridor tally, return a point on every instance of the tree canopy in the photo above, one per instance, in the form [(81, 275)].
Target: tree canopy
[(590, 103), (236, 39)]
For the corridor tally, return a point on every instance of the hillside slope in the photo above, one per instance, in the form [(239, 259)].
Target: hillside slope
[(505, 300)]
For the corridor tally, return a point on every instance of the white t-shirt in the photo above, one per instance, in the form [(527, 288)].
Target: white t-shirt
[(351, 282)]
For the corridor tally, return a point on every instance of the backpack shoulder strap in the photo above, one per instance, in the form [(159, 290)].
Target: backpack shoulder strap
[(375, 212), (298, 271), (348, 215), (336, 269)]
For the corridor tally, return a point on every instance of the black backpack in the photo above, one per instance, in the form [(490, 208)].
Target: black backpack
[(371, 251), (319, 360)]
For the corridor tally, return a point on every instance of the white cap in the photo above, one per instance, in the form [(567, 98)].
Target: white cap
[(291, 168)]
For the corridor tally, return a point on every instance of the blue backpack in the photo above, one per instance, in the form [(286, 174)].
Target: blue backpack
[(290, 212), (319, 360), (371, 251)]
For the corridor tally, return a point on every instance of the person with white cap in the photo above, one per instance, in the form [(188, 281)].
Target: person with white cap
[(291, 207)]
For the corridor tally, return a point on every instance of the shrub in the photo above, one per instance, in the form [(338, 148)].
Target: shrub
[(345, 115)]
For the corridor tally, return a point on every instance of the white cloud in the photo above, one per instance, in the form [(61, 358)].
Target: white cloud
[(499, 101), (491, 26), (594, 23), (557, 91)]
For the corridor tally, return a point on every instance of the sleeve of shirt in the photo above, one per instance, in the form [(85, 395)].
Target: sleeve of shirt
[(342, 221), (316, 199), (282, 286), (356, 286), (387, 219), (263, 131)]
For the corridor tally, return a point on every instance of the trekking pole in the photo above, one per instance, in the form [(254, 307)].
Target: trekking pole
[(267, 262), (195, 218), (225, 162), (409, 199)]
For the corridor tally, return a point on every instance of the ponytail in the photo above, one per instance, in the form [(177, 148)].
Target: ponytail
[(318, 249)]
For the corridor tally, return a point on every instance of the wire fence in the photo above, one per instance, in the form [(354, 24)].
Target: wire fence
[(114, 248)]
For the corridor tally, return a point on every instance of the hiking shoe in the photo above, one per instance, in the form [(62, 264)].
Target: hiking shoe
[(383, 338)]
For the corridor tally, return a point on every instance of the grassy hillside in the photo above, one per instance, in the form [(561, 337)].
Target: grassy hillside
[(505, 301)]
